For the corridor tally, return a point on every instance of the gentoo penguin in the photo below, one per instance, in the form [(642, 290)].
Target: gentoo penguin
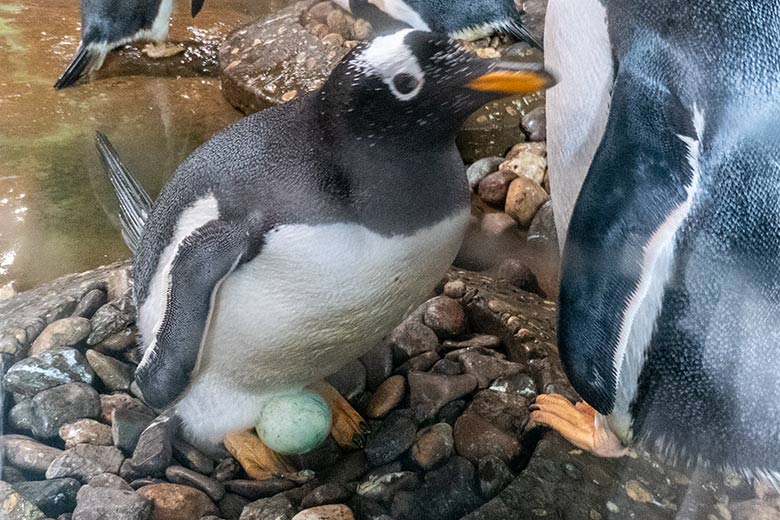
[(463, 20), (108, 24), (294, 240), (670, 293)]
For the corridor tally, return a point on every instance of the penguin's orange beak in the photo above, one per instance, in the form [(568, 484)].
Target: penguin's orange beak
[(513, 78)]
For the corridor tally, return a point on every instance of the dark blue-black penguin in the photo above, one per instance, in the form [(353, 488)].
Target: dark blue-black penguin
[(294, 240), (670, 292), (464, 19), (108, 24)]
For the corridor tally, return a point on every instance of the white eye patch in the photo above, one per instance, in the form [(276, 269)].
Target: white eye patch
[(394, 62)]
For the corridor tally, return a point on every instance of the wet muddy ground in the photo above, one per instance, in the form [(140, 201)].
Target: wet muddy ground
[(54, 201)]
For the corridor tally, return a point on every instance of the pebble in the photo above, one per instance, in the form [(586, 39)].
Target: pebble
[(497, 224), (539, 149), (116, 376), (177, 502), (387, 397), (475, 340), (455, 289), (328, 512), (47, 370), (61, 405), (350, 381), (102, 503), (85, 461), (109, 403), (89, 304), (227, 469), (349, 468), (521, 385), (446, 367), (13, 506), (191, 457), (109, 480), (494, 475), (86, 431), (524, 199), (53, 497), (411, 339), (394, 437), (28, 454), (638, 492), (481, 169), (379, 365), (475, 438), (487, 368), (118, 343), (542, 228), (447, 493), (517, 273), (127, 425), (110, 319), (275, 508), (428, 393), (493, 188), (181, 475), (433, 446), (383, 487), (12, 475), (526, 164), (22, 416), (231, 506), (421, 363), (154, 450), (66, 332), (535, 124), (450, 412), (326, 494), (255, 489), (445, 317)]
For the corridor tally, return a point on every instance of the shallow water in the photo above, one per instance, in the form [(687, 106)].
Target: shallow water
[(57, 212)]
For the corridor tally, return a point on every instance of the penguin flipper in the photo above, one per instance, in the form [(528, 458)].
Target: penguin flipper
[(197, 5), (135, 205), (87, 58), (203, 261)]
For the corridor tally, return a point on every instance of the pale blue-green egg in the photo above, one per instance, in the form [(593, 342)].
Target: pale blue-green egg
[(294, 423)]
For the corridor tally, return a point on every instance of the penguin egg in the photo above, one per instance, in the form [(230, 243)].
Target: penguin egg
[(297, 423)]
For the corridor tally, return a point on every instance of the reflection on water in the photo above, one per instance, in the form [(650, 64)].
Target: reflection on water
[(53, 197)]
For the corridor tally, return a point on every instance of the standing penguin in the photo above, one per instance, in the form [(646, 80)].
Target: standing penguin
[(293, 241), (108, 24), (464, 20), (670, 293)]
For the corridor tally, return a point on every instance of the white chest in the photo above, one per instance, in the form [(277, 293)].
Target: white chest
[(318, 297)]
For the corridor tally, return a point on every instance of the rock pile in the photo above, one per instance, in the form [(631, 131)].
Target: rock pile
[(446, 395)]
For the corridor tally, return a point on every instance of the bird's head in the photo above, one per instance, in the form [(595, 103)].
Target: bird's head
[(416, 81)]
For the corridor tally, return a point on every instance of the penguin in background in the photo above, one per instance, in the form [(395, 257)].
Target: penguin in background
[(294, 240), (670, 293), (462, 20), (109, 24)]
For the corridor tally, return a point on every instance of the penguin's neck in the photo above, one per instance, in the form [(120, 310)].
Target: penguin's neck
[(397, 184)]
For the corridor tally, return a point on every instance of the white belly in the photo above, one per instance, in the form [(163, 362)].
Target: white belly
[(317, 298)]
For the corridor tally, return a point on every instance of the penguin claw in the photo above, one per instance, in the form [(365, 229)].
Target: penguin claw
[(579, 424), (349, 429)]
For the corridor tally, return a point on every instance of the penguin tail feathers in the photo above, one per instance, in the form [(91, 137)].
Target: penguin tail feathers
[(521, 32), (197, 5), (135, 204), (86, 59)]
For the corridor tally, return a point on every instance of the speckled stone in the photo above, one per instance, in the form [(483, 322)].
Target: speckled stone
[(14, 506), (63, 404), (53, 497), (177, 502), (114, 374), (102, 503), (85, 431), (46, 370), (411, 339), (66, 332), (433, 446), (28, 454), (327, 512), (275, 508), (84, 462)]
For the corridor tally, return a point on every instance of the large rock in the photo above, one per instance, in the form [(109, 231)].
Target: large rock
[(46, 370), (53, 497), (177, 502), (61, 405), (28, 454), (102, 503), (85, 461), (14, 506)]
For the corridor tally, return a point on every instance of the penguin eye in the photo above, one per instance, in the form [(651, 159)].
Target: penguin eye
[(405, 83)]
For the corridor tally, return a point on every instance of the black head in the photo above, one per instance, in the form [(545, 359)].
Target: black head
[(415, 82)]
